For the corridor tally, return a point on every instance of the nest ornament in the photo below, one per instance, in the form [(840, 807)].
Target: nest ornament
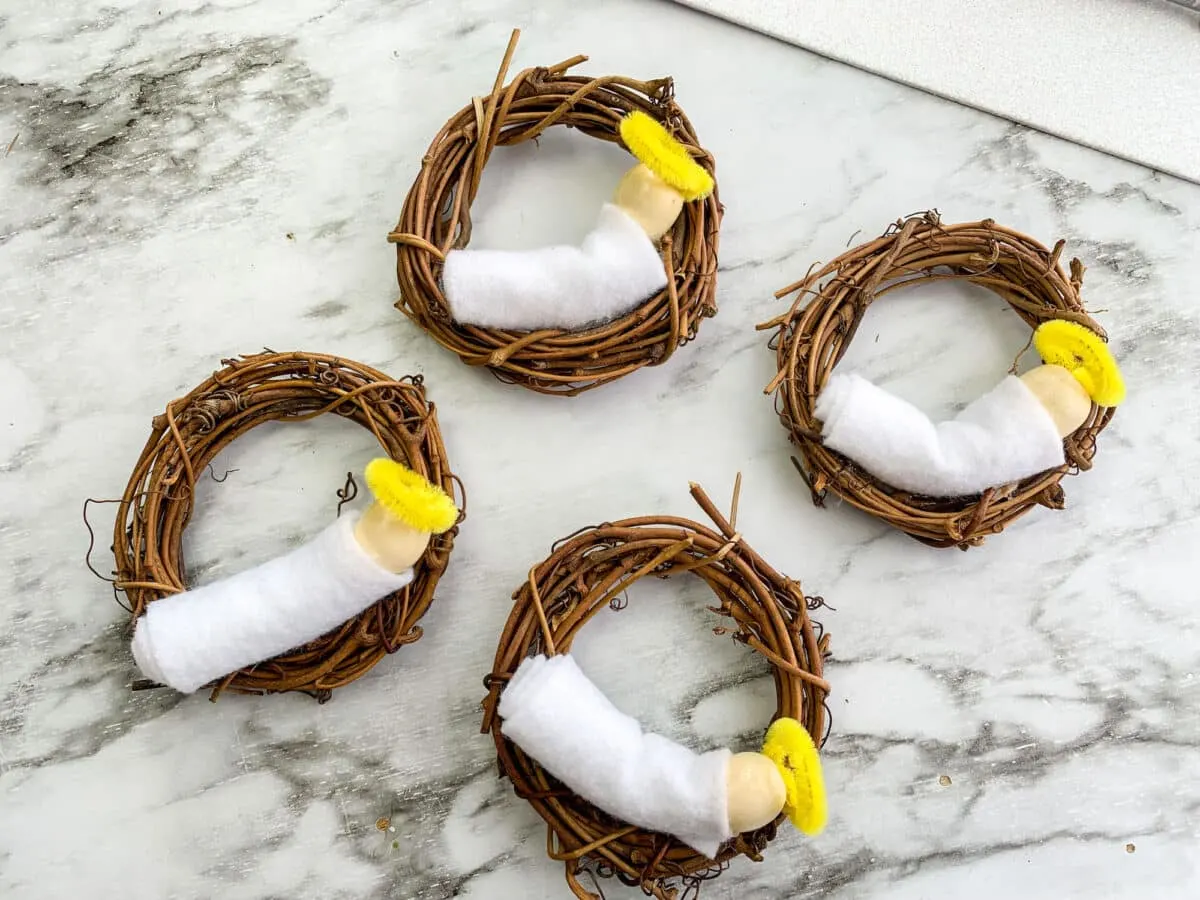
[(951, 483), (562, 320), (325, 613), (619, 801)]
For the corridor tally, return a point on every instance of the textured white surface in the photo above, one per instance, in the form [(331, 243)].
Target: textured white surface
[(1122, 76), (1003, 436), (1053, 675), (614, 269), (189, 639), (553, 712)]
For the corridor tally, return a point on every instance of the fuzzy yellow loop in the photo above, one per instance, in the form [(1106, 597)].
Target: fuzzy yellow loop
[(790, 747), (1082, 353), (650, 142), (409, 497)]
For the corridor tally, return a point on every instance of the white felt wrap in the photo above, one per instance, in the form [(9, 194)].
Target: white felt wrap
[(1003, 436), (187, 640), (615, 269), (558, 717)]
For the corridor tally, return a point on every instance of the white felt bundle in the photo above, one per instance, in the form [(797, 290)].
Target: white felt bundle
[(559, 718), (616, 268), (188, 639), (1003, 436)]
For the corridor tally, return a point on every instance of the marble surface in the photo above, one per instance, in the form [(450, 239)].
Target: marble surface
[(184, 182)]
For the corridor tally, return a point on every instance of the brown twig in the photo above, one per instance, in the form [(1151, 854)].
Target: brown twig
[(346, 492)]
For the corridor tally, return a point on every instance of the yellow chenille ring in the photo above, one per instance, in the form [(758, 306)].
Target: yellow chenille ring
[(412, 499), (666, 157), (791, 748), (1081, 352)]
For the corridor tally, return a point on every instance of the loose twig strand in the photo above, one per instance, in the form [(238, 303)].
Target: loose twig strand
[(437, 218), (591, 570), (280, 387), (830, 303)]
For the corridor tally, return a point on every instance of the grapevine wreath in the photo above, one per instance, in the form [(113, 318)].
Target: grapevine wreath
[(396, 550), (563, 320), (954, 483), (589, 770)]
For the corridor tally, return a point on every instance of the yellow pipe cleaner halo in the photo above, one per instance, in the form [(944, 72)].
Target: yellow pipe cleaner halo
[(1081, 352), (651, 143), (791, 748), (412, 499)]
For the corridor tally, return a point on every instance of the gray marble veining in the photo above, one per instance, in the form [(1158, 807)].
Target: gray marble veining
[(181, 184)]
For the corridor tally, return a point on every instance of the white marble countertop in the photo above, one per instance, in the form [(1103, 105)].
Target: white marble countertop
[(1019, 720)]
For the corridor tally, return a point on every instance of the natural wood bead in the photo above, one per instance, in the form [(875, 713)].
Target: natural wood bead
[(756, 791), (1063, 396), (648, 200)]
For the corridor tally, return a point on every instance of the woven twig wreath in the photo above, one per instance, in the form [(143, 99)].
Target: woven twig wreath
[(591, 570), (831, 301), (280, 387), (437, 218)]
